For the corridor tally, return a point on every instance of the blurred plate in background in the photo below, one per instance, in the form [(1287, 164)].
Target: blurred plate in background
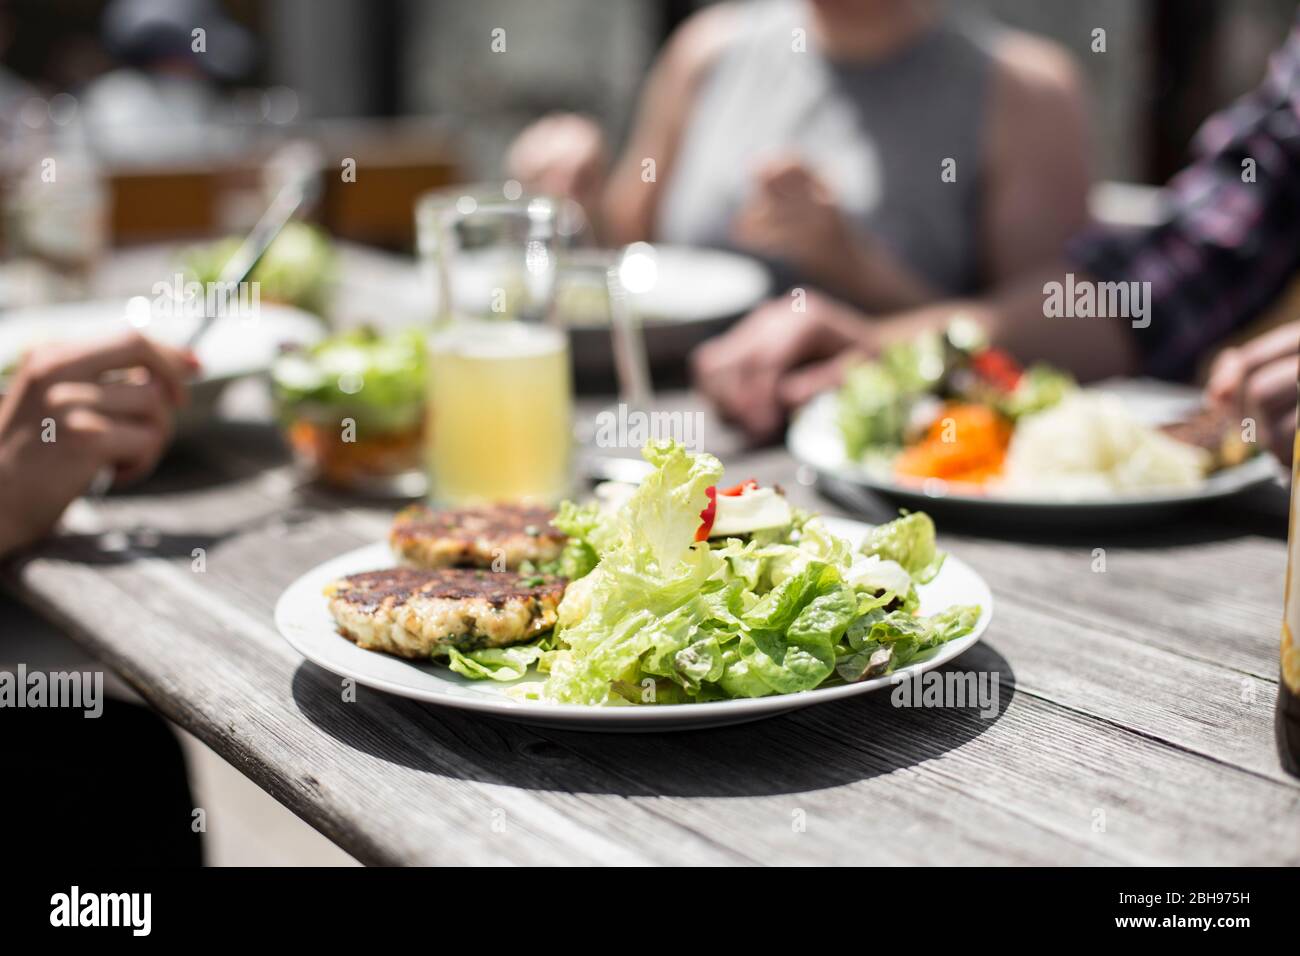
[(694, 294), (236, 346), (815, 440)]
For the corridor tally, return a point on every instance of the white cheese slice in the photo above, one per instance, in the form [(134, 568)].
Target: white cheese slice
[(877, 574), (756, 510)]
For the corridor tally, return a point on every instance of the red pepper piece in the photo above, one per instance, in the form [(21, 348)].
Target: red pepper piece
[(708, 514), (997, 368), (739, 489)]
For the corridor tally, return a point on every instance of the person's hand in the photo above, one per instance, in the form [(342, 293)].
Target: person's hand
[(561, 155), (792, 215), (777, 358), (1257, 380), (73, 409)]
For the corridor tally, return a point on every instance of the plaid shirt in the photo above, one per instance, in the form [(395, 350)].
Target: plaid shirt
[(1229, 245)]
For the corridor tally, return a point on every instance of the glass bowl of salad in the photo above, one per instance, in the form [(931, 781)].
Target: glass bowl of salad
[(352, 410)]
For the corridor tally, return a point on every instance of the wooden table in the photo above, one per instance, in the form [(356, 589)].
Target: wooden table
[(1134, 723)]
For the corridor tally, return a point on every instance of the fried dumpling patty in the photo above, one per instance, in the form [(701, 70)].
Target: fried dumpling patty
[(419, 613)]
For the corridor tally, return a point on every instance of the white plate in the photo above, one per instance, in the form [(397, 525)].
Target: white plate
[(235, 346), (688, 284), (697, 285), (697, 293), (304, 619), (814, 439)]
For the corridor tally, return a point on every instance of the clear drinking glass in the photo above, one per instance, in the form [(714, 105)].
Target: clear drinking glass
[(500, 397), (55, 209)]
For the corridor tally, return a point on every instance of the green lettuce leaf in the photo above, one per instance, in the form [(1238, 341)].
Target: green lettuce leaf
[(583, 524), (762, 566), (495, 663), (881, 642), (1039, 388), (877, 397), (871, 660), (908, 540), (791, 633), (648, 596)]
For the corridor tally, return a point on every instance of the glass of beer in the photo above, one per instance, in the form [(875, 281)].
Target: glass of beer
[(500, 398)]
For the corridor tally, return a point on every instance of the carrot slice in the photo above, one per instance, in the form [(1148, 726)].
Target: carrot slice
[(966, 443)]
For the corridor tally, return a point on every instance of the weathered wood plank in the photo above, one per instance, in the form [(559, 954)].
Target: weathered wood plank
[(395, 782), (1219, 602)]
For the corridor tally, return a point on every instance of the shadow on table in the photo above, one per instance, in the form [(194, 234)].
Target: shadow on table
[(122, 545), (221, 454), (218, 454), (1260, 511), (821, 746)]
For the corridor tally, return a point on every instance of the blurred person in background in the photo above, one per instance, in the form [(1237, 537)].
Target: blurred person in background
[(164, 84), (1228, 246), (817, 135)]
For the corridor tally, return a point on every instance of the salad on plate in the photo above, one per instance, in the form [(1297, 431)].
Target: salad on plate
[(683, 590), (947, 408), (296, 269)]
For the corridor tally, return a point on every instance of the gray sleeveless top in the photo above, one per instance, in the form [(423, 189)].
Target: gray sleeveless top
[(878, 133)]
